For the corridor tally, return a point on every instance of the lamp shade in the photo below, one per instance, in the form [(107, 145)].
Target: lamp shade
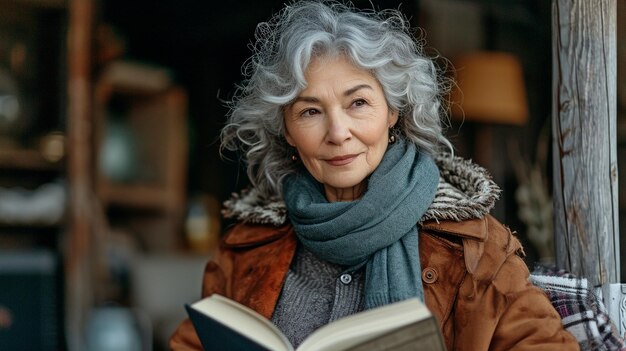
[(490, 89)]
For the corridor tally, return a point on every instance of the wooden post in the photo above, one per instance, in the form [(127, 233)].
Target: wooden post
[(584, 139), (78, 286)]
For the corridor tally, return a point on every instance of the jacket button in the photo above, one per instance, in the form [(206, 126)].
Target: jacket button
[(346, 278), (429, 275)]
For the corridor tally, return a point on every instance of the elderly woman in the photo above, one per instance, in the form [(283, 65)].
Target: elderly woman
[(353, 205)]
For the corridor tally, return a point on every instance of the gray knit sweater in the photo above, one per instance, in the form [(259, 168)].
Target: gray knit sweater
[(315, 293)]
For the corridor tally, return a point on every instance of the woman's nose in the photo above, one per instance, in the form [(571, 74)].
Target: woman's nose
[(339, 128)]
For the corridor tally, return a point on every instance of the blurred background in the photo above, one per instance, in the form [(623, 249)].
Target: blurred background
[(111, 181)]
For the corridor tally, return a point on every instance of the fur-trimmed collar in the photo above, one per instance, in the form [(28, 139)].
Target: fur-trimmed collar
[(465, 191)]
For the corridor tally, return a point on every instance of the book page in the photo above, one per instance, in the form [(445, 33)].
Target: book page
[(360, 327), (244, 320)]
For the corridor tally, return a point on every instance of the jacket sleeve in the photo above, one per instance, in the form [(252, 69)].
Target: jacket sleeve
[(528, 320), (185, 337)]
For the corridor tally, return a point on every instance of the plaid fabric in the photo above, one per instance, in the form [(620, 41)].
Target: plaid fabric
[(582, 312)]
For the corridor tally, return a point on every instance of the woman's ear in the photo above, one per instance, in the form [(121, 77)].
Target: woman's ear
[(289, 139), (393, 118), (288, 136)]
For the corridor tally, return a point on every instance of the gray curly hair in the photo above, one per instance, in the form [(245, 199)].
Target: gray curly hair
[(379, 42)]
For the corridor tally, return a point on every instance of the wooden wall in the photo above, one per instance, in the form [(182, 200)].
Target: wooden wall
[(584, 138)]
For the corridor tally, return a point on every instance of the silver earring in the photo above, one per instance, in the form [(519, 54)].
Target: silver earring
[(393, 135), (294, 158)]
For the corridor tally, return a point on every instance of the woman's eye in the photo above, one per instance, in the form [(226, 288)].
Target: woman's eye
[(309, 112), (359, 102)]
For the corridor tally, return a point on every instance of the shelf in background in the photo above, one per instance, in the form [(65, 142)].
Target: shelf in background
[(21, 227), (138, 196), (37, 4), (27, 159)]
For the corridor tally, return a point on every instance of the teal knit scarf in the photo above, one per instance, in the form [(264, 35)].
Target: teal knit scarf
[(378, 230)]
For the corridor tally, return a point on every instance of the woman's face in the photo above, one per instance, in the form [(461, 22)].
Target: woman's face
[(340, 126)]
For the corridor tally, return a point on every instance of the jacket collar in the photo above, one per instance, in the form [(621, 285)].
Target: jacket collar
[(476, 228), (465, 193)]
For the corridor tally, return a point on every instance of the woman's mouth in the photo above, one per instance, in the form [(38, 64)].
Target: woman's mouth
[(342, 160)]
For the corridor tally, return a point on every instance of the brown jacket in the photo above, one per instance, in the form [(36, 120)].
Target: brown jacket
[(475, 283)]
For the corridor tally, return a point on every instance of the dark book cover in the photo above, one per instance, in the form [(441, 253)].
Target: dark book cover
[(216, 336)]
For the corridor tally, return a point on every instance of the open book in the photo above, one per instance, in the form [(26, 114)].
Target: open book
[(223, 324)]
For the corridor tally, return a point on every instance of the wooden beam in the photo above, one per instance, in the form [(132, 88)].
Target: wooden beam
[(584, 139), (79, 292)]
